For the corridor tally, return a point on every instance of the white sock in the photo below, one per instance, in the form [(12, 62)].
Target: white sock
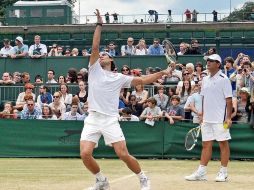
[(141, 175), (202, 168), (224, 169), (100, 176)]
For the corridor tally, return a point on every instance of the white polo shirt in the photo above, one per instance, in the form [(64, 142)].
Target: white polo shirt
[(104, 89), (215, 90)]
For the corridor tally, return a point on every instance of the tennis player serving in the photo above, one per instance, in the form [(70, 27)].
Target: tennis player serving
[(103, 97)]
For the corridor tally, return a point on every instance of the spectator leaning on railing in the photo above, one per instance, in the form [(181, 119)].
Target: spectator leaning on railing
[(20, 50), (7, 49), (37, 50)]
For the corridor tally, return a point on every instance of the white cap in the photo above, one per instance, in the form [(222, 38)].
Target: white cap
[(20, 39), (214, 57), (244, 89)]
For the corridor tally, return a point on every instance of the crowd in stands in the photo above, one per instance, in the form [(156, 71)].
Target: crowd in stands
[(176, 98)]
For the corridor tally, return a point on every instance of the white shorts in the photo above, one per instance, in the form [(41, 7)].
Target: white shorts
[(214, 131), (97, 124)]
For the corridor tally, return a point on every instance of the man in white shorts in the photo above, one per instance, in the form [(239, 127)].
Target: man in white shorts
[(103, 98), (217, 108)]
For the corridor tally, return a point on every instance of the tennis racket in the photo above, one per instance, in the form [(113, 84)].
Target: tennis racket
[(191, 138), (173, 56)]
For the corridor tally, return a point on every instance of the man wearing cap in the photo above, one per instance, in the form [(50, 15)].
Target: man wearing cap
[(37, 50), (20, 50), (7, 49), (216, 91), (103, 97)]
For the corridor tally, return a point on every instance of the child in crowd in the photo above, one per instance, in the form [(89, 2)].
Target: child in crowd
[(127, 115), (175, 111), (152, 113)]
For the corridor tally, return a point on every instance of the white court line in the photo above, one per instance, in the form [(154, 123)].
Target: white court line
[(119, 179)]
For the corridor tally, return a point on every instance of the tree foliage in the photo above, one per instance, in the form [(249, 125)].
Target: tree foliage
[(5, 3), (243, 13)]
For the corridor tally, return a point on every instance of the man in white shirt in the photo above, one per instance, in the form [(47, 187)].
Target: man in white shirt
[(217, 108), (51, 75), (37, 50), (7, 49), (127, 50), (103, 97), (73, 114)]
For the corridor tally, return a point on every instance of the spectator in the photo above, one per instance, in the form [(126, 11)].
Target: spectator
[(45, 96), (211, 50), (141, 49), (151, 113), (191, 69), (66, 98), (37, 50), (128, 49), (112, 49), (156, 16), (8, 112), (21, 97), (135, 107), (17, 77), (38, 79), (115, 18), (57, 106), (183, 47), (170, 94), (244, 98), (124, 95), (55, 51), (229, 70), (194, 15), (125, 70), (80, 77), (127, 115), (51, 76), (175, 111), (161, 98), (241, 58), (194, 103), (85, 53), (186, 77), (73, 114), (47, 113), (6, 79), (156, 48), (188, 15), (198, 70), (215, 16), (7, 50), (30, 112), (74, 52), (61, 79), (25, 77), (20, 50), (140, 93), (67, 52), (72, 76), (82, 93), (194, 49), (248, 75), (107, 18)]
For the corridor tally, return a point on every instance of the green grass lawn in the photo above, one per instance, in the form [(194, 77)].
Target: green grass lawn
[(70, 174)]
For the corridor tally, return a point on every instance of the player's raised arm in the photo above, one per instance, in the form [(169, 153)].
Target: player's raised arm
[(96, 39), (148, 79)]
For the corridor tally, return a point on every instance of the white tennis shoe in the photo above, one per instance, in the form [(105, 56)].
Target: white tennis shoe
[(100, 185), (196, 176), (145, 183), (221, 177)]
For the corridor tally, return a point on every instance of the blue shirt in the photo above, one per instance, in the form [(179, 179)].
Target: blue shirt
[(26, 114), (233, 83), (155, 50), (23, 49)]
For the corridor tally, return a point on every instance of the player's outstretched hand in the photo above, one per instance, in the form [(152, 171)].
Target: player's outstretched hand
[(167, 71), (99, 19)]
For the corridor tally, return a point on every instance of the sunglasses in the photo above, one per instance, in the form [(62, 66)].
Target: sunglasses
[(29, 88), (186, 73), (130, 41), (125, 69), (80, 78), (30, 104), (55, 96)]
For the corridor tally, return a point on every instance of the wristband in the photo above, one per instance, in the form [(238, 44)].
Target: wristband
[(98, 24)]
